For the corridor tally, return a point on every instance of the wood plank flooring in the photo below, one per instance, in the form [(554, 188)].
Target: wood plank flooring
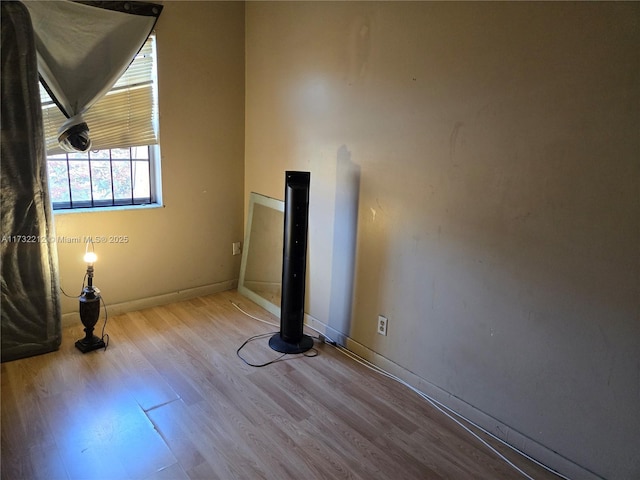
[(169, 399)]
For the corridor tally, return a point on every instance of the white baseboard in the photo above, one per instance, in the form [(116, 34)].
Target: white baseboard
[(73, 318), (517, 440)]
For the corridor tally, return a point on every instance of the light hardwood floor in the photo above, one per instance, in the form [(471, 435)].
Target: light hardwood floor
[(169, 399)]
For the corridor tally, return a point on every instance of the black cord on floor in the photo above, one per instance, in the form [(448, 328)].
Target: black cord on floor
[(279, 359), (251, 339)]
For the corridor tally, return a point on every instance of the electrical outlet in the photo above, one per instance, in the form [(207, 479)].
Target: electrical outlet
[(382, 325), (236, 248)]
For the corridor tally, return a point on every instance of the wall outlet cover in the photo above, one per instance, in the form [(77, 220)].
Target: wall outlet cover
[(382, 325)]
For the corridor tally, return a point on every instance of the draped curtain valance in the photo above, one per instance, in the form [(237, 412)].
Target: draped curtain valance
[(83, 48)]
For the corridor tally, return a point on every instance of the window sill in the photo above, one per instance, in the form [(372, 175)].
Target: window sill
[(120, 208)]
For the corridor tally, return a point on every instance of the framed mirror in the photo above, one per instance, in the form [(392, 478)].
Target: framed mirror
[(261, 265)]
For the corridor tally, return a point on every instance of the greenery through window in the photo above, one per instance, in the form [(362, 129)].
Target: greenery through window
[(100, 178)]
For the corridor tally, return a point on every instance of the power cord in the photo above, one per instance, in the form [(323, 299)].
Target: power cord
[(448, 412), (251, 339), (440, 407), (279, 359), (104, 325), (254, 317), (263, 335), (74, 296)]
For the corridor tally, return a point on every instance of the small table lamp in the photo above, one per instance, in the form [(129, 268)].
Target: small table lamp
[(89, 308)]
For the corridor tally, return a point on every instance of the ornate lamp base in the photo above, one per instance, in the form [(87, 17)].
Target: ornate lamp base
[(86, 345), (89, 313)]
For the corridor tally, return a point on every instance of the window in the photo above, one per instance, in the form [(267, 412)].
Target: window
[(123, 166), (102, 178)]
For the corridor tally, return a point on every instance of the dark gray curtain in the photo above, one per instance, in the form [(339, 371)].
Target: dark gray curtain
[(30, 301)]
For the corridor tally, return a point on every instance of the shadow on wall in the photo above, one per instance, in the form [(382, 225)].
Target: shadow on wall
[(345, 228)]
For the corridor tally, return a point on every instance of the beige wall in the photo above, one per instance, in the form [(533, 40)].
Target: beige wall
[(186, 244), (477, 164)]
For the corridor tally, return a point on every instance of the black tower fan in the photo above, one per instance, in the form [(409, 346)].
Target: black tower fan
[(290, 339)]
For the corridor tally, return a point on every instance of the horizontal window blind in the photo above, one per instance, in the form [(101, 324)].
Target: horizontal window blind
[(122, 118)]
